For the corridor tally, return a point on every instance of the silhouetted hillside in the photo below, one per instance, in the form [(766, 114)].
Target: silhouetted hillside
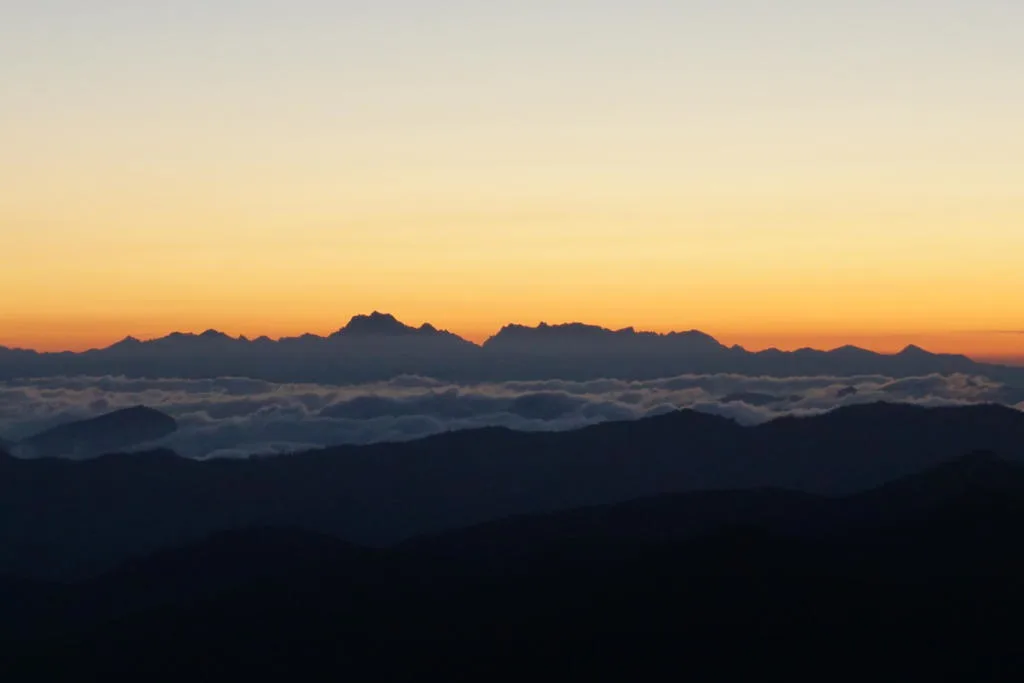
[(609, 534), (942, 497), (378, 346), (108, 433), (70, 515), (981, 475), (698, 576)]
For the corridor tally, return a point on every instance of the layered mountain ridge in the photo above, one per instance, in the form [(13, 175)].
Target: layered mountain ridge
[(383, 493), (378, 347)]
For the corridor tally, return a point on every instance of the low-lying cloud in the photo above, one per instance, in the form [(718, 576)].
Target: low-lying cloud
[(239, 417)]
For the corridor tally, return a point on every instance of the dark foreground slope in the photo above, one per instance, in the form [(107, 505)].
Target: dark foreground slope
[(924, 574), (67, 519)]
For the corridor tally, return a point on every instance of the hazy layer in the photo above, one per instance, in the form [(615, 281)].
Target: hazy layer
[(234, 417)]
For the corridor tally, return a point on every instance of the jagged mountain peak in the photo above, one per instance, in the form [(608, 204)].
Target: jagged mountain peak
[(127, 342), (851, 350), (375, 323), (378, 324), (690, 340), (214, 334)]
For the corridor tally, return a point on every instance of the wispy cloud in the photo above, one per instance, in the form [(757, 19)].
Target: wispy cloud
[(236, 417)]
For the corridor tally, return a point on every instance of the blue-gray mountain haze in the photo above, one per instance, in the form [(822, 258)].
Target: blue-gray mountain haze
[(377, 380)]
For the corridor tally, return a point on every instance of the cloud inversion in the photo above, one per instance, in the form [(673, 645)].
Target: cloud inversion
[(231, 417)]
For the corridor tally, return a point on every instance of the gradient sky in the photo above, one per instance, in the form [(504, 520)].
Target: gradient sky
[(790, 172)]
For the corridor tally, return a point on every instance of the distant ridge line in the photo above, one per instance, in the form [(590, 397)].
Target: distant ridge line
[(381, 323), (378, 346)]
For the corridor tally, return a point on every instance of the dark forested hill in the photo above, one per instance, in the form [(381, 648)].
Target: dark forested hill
[(64, 518), (923, 572)]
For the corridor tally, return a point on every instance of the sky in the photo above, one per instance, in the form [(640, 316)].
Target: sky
[(782, 173)]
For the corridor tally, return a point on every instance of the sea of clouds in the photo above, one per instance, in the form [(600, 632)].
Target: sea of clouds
[(233, 417)]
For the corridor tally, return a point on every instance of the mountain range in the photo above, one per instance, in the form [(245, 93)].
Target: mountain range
[(378, 346), (712, 582), (65, 518)]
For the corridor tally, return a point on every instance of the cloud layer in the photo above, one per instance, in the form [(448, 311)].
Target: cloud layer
[(231, 417)]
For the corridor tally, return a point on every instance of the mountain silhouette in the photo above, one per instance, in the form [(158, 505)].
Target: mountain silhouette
[(511, 336), (683, 575), (981, 473), (384, 493), (384, 324), (378, 346), (980, 478), (107, 433)]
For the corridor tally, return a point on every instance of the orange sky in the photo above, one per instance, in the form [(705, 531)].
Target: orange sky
[(995, 345), (786, 174)]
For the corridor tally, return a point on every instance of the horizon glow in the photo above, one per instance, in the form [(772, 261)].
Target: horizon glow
[(776, 174), (887, 344)]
